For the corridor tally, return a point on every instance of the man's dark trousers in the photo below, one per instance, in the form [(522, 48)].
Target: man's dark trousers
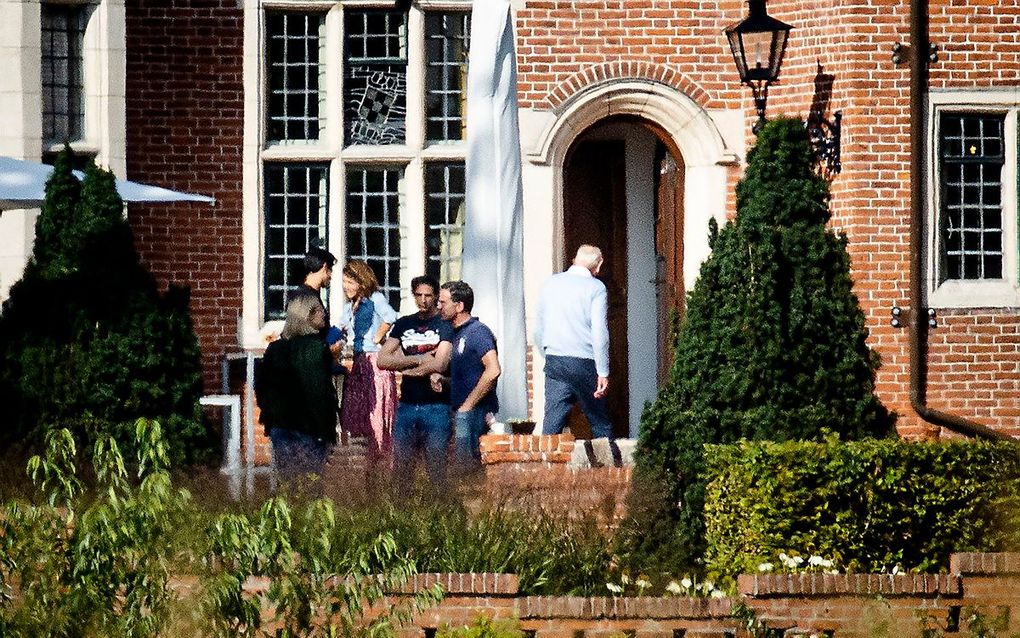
[(567, 381)]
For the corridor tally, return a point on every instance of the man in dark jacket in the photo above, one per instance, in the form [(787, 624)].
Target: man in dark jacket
[(295, 392)]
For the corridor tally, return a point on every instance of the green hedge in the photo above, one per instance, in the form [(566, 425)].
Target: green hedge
[(868, 505)]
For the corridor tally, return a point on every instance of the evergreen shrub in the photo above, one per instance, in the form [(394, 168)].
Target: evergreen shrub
[(771, 346), (868, 505), (87, 342)]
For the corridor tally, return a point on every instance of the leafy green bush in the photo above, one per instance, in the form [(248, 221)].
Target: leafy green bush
[(87, 342), (90, 564), (869, 505), (772, 345)]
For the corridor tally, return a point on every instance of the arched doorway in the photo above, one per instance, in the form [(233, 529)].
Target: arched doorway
[(685, 167), (623, 190)]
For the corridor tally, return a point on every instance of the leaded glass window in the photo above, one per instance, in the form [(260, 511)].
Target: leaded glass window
[(375, 77), (373, 224), (446, 51), (972, 155), (444, 219), (63, 37), (294, 105), (295, 221)]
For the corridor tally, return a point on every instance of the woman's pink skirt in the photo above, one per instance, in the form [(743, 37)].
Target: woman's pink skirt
[(370, 403)]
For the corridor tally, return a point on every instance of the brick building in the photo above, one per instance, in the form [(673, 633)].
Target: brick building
[(341, 122)]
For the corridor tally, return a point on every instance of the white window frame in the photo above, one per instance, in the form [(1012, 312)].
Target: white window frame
[(411, 156), (104, 80), (958, 293), (105, 125)]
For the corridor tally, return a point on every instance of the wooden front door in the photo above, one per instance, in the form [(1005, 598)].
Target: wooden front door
[(669, 232), (595, 212)]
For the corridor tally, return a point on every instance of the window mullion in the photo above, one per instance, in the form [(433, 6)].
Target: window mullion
[(415, 80), (333, 86)]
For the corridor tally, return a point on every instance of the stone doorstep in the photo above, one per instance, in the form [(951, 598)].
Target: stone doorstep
[(599, 452)]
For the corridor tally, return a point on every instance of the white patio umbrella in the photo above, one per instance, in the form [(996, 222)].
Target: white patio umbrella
[(23, 185), (493, 235)]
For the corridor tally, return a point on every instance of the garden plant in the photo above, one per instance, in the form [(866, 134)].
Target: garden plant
[(771, 346), (98, 555), (87, 341)]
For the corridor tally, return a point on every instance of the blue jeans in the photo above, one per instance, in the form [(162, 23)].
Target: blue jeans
[(296, 453), (424, 427), (467, 431), (569, 380)]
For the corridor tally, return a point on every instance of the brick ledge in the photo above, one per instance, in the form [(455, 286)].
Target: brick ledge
[(813, 585)]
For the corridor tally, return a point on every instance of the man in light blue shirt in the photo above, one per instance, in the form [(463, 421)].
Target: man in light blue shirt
[(572, 331)]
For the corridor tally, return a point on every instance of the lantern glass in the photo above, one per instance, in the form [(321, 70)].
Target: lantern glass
[(758, 43)]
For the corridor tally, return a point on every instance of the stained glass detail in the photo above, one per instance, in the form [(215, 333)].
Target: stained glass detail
[(375, 77)]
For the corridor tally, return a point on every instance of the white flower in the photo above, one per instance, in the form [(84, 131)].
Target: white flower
[(783, 557), (797, 560), (895, 570), (673, 587), (765, 567), (832, 571), (641, 583), (826, 563), (613, 587), (815, 560), (718, 593), (624, 579), (707, 586), (686, 582)]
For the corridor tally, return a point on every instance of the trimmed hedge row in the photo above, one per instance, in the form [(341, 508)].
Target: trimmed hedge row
[(869, 505)]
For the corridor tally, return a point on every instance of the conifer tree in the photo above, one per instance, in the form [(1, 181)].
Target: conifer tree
[(86, 339), (772, 344)]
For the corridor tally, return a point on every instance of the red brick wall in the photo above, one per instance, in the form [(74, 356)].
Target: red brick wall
[(838, 605), (566, 46), (184, 131)]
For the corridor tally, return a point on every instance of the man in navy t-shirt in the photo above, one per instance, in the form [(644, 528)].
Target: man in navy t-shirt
[(419, 345), (474, 369)]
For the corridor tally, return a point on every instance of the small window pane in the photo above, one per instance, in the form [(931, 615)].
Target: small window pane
[(63, 93), (444, 219), (295, 42), (295, 221), (447, 38), (373, 224), (375, 77), (970, 217)]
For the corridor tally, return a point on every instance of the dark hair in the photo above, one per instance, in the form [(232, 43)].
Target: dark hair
[(426, 280), (460, 292), (316, 258)]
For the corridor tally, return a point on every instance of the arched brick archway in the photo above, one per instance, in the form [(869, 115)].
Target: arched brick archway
[(638, 71), (680, 121)]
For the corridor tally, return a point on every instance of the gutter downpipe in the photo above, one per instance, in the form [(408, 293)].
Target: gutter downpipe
[(918, 317)]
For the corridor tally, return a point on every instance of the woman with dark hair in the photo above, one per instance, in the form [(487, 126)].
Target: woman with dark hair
[(295, 393), (370, 394)]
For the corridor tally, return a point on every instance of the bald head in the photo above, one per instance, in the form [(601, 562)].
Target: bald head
[(589, 257)]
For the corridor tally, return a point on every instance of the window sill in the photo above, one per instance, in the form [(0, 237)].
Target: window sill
[(974, 294)]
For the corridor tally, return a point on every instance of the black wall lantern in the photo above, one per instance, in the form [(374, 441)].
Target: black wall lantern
[(758, 43)]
